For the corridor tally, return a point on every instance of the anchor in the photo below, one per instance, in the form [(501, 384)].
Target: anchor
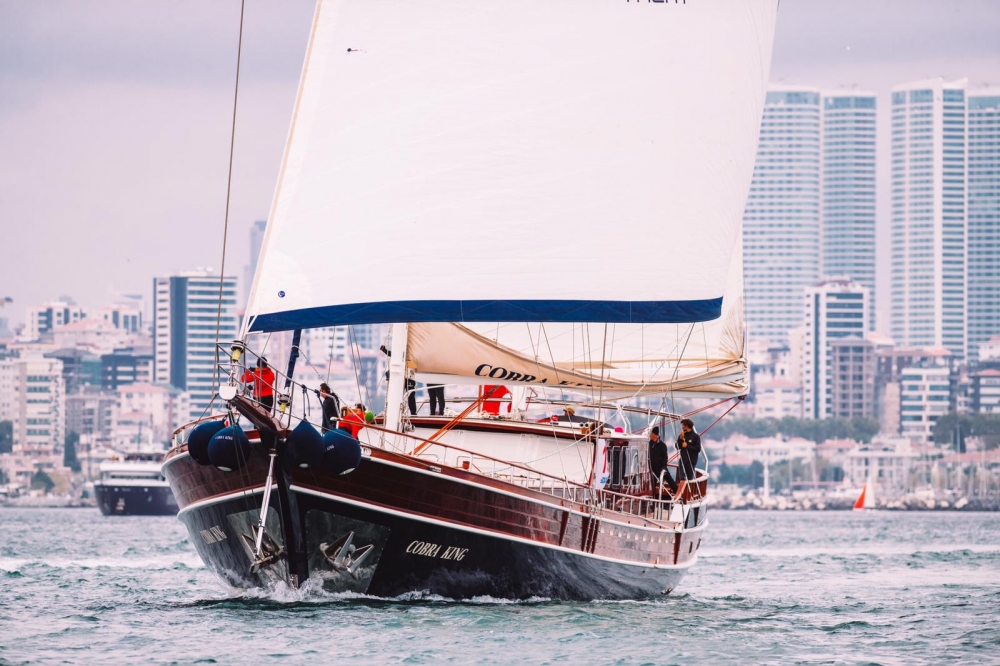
[(269, 551), (344, 556)]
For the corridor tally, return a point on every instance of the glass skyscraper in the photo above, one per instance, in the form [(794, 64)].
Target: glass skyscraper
[(983, 216), (781, 222), (928, 229), (848, 192)]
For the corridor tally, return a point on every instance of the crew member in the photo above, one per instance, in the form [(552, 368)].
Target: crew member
[(331, 406), (658, 461), (262, 378), (436, 394), (688, 448), (355, 420)]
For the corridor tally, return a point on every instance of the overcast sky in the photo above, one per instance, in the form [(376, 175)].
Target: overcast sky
[(115, 122)]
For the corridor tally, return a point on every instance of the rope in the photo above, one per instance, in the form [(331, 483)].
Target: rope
[(229, 188), (739, 399), (451, 424)]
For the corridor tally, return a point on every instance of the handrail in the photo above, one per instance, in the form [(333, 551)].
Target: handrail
[(509, 471)]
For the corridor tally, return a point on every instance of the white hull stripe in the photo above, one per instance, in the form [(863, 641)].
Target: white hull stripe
[(223, 498), (490, 533), (604, 517), (174, 459)]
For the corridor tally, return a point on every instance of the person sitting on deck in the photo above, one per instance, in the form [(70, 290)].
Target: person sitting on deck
[(262, 378), (658, 462), (688, 448)]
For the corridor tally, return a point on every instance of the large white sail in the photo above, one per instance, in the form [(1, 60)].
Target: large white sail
[(559, 161)]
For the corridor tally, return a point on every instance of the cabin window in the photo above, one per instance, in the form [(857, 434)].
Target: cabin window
[(691, 546)]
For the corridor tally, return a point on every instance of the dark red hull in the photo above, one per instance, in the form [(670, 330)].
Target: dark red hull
[(425, 528)]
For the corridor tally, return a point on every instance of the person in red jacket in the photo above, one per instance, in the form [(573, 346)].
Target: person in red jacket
[(355, 420), (262, 379)]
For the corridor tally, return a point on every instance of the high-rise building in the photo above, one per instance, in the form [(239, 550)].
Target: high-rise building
[(983, 216), (853, 364), (848, 191), (43, 318), (127, 365), (925, 395), (185, 311), (781, 222), (36, 405), (834, 309), (256, 241), (928, 234)]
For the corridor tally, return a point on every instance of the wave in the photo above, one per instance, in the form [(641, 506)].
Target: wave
[(312, 592), (858, 550), (166, 562)]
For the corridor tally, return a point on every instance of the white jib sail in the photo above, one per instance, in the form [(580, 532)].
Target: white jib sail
[(559, 161)]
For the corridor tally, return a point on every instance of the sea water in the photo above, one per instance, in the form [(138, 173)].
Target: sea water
[(77, 587)]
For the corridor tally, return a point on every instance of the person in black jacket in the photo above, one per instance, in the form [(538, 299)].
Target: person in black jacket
[(658, 461), (688, 448), (331, 406)]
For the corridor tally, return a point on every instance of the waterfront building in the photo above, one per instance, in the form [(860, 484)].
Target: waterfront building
[(128, 365), (990, 350), (984, 391), (833, 310), (852, 371), (46, 317), (81, 368), (781, 221), (983, 216), (36, 405), (94, 335), (89, 415), (925, 396), (890, 364), (887, 463), (928, 230), (126, 317), (184, 332), (147, 414), (848, 189), (776, 399)]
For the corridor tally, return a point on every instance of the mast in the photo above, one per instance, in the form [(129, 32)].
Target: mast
[(397, 377)]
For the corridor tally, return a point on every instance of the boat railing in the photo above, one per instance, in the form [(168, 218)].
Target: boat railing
[(629, 489)]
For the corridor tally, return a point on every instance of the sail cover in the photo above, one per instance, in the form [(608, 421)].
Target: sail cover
[(558, 161)]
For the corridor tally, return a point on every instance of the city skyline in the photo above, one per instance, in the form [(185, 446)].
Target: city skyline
[(141, 127)]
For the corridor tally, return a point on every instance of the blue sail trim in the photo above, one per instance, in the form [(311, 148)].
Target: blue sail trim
[(635, 312)]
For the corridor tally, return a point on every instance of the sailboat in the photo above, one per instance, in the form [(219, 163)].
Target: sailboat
[(866, 500), (544, 202)]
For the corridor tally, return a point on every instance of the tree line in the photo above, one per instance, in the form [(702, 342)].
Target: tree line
[(814, 430)]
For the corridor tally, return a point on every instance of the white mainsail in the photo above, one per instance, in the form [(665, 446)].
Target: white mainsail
[(580, 164)]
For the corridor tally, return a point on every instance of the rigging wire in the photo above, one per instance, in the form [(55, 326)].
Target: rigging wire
[(229, 187)]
